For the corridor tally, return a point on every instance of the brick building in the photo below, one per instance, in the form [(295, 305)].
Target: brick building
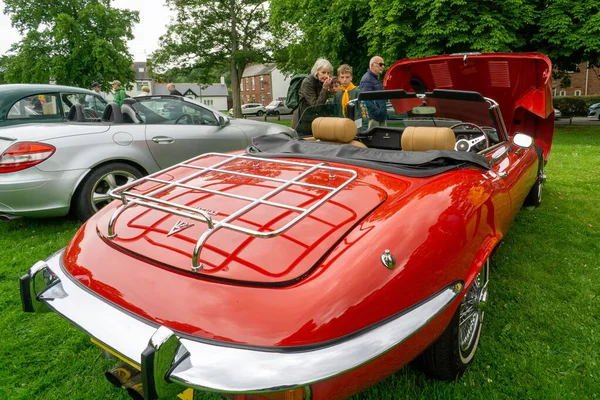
[(585, 82), (263, 83)]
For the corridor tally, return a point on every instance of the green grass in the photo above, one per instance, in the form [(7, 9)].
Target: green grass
[(541, 338)]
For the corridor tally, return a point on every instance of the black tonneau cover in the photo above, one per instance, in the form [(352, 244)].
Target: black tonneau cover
[(407, 163)]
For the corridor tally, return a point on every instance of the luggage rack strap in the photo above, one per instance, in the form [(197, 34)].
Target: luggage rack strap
[(148, 200)]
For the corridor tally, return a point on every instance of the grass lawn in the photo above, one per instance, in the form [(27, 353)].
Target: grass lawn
[(541, 338)]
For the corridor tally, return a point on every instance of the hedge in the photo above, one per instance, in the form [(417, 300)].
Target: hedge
[(574, 106)]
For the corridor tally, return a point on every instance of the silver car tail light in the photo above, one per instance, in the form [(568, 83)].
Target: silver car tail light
[(24, 155)]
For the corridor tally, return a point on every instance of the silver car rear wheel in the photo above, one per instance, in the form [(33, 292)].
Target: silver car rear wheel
[(92, 194)]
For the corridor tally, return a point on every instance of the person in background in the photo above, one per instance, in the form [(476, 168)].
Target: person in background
[(120, 94), (335, 85), (314, 89), (348, 91), (145, 91), (370, 81), (172, 90), (92, 101)]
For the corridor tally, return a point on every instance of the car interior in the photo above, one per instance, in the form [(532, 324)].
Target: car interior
[(438, 120)]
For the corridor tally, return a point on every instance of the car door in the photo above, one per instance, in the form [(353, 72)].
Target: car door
[(177, 130), (513, 172)]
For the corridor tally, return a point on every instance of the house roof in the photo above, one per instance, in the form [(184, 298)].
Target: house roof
[(141, 71), (213, 90), (258, 69)]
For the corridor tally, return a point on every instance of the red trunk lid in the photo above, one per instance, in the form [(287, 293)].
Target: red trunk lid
[(521, 84), (169, 240)]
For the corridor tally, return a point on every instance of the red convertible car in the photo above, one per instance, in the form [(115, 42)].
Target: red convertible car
[(313, 268)]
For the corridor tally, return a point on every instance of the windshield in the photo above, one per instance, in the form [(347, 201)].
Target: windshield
[(440, 108), (274, 103)]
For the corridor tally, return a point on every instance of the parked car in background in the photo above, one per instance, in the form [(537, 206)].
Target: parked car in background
[(311, 269), (251, 109), (594, 112), (277, 107), (557, 114), (51, 169), (30, 103)]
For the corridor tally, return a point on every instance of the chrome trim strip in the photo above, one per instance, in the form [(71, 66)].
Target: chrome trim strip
[(208, 366)]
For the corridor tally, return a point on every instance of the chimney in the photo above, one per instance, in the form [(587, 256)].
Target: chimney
[(222, 80)]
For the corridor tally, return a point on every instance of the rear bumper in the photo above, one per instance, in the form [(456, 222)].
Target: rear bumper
[(36, 193), (171, 362)]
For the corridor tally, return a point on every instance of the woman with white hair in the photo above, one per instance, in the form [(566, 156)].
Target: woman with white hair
[(314, 88)]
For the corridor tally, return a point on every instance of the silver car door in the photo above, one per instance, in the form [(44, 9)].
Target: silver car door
[(177, 130)]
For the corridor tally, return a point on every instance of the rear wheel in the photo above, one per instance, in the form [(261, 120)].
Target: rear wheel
[(449, 356), (259, 113), (92, 193), (534, 197)]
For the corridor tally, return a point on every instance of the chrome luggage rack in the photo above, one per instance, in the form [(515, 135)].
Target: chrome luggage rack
[(148, 200)]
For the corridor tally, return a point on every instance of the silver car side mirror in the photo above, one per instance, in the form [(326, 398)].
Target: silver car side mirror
[(522, 140), (222, 120)]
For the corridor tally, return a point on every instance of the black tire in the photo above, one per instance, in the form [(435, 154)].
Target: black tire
[(259, 113), (534, 197), (98, 183), (276, 113), (450, 355)]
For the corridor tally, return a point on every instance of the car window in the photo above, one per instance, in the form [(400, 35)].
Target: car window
[(93, 105), (173, 111), (35, 107)]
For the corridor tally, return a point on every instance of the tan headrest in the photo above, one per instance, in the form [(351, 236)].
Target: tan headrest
[(423, 138), (332, 129)]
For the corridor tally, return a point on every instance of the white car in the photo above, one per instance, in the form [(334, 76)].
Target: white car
[(251, 109), (594, 112), (277, 107)]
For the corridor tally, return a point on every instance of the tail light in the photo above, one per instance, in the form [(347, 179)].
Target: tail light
[(24, 155), (294, 394)]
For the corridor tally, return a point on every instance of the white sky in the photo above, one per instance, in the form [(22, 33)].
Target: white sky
[(154, 16)]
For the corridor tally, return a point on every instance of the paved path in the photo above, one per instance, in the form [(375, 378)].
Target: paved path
[(578, 121)]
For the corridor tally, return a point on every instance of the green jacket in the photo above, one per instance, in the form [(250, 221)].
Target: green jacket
[(120, 96), (337, 107)]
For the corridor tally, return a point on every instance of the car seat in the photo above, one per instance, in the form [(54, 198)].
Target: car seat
[(335, 130), (129, 115), (76, 113), (423, 138), (112, 113)]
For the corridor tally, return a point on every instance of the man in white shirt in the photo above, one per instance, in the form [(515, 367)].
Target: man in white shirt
[(91, 100)]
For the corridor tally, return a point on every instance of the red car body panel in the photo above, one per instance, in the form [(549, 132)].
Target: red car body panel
[(451, 218), (520, 82)]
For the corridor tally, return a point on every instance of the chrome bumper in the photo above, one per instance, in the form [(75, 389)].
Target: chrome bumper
[(169, 362)]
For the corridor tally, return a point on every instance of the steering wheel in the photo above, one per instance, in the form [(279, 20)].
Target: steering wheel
[(188, 117), (468, 144)]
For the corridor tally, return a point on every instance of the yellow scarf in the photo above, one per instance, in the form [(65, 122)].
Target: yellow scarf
[(346, 96)]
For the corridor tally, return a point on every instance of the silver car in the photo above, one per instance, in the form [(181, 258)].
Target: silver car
[(51, 169)]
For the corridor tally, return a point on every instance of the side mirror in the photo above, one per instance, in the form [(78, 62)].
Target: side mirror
[(522, 140), (223, 120)]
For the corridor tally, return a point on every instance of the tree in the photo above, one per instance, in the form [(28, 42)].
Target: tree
[(75, 41), (305, 31), (208, 34), (354, 30)]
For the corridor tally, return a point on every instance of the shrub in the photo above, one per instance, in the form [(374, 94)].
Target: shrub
[(574, 106)]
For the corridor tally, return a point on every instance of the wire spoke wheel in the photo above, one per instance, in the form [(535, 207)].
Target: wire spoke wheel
[(471, 314)]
